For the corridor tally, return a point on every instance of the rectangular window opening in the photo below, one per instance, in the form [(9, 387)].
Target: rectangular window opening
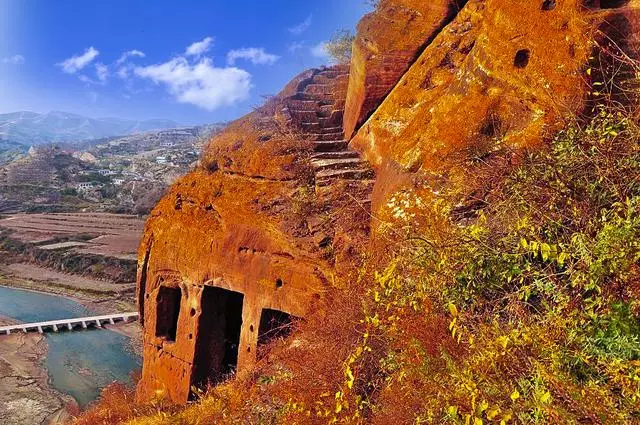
[(218, 336), (167, 313), (274, 324)]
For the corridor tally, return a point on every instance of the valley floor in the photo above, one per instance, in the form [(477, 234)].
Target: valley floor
[(26, 396)]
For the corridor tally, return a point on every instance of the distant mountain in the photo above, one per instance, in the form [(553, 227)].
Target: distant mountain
[(29, 128)]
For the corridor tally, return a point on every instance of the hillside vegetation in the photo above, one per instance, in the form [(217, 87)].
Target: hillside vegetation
[(499, 282), (522, 309)]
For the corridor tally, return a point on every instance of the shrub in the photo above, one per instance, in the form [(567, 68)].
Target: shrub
[(339, 47)]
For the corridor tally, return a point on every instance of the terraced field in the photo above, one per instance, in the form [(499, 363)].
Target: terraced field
[(109, 235)]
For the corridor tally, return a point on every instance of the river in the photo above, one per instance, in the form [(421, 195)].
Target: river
[(79, 363)]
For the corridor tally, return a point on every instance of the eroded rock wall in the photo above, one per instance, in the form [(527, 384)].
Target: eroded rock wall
[(387, 42), (282, 204), (501, 77), (503, 70), (249, 237)]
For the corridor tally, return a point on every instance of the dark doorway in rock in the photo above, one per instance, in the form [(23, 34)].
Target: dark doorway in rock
[(274, 324), (612, 4), (168, 311), (216, 355), (549, 4), (521, 59)]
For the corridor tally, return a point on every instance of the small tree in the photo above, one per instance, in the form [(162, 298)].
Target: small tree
[(339, 47), (372, 3)]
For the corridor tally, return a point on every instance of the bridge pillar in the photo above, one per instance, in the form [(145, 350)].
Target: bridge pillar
[(40, 329), (84, 325), (8, 331), (98, 324), (55, 328), (24, 330), (112, 321), (69, 326)]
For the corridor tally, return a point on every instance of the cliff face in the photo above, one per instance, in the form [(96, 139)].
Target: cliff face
[(501, 77), (387, 43), (239, 249), (502, 70)]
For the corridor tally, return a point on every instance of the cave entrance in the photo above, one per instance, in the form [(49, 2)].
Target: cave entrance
[(612, 4), (216, 351), (168, 311), (274, 324)]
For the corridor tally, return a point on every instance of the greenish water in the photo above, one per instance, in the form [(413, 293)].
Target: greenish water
[(79, 363)]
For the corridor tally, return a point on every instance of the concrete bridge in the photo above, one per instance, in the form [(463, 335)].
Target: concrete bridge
[(70, 324)]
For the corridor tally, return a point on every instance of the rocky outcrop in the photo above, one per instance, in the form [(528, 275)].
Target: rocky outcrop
[(387, 43), (241, 248), (501, 77), (502, 74)]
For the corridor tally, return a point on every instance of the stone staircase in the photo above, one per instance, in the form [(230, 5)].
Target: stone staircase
[(317, 110)]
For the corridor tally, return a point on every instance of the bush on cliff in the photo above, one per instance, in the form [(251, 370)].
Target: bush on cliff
[(339, 47), (523, 308)]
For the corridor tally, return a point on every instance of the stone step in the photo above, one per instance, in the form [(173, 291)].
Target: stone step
[(325, 177), (336, 155), (324, 136), (330, 145), (303, 105), (312, 127), (336, 164), (328, 111), (331, 122), (324, 99), (304, 116), (327, 130), (320, 89), (331, 73), (322, 79), (321, 126)]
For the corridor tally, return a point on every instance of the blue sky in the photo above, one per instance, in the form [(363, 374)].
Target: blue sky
[(190, 61)]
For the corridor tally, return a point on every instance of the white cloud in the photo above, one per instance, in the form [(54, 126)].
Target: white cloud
[(295, 46), (102, 72), (14, 60), (77, 62), (257, 56), (129, 54), (200, 84), (199, 48), (320, 50), (124, 72), (302, 26)]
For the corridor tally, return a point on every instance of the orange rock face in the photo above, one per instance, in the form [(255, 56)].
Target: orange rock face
[(502, 74), (387, 42), (241, 248)]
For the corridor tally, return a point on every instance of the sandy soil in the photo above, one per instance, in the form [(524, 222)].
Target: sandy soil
[(34, 272)]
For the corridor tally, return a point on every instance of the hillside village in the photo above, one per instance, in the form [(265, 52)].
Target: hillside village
[(125, 174)]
